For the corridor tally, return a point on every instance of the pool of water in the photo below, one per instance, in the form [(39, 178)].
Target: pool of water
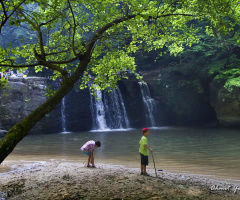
[(213, 152)]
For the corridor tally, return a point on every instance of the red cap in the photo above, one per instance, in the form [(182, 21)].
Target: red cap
[(145, 130)]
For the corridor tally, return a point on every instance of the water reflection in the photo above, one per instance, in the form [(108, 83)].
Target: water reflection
[(208, 151)]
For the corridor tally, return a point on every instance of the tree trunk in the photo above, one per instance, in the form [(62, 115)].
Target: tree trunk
[(21, 129)]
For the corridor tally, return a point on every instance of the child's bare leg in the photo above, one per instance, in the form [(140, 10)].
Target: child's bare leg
[(144, 169), (89, 157), (141, 168), (92, 160)]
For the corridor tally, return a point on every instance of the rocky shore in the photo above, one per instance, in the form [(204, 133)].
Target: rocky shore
[(63, 180)]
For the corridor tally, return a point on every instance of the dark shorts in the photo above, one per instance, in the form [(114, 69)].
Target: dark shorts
[(144, 159)]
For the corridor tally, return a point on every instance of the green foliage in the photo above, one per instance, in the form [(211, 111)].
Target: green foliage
[(230, 74), (231, 83), (49, 91), (182, 78), (27, 100), (109, 70), (58, 35), (213, 57), (3, 82)]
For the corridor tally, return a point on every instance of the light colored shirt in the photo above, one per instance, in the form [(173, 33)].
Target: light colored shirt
[(88, 146), (142, 149)]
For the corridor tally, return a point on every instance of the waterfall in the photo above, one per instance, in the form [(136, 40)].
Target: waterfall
[(98, 111), (149, 103), (63, 115), (115, 110), (108, 111)]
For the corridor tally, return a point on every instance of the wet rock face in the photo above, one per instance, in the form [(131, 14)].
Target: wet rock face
[(22, 95), (226, 104), (182, 101), (19, 98)]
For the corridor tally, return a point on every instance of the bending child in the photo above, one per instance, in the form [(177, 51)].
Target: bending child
[(144, 151), (88, 149)]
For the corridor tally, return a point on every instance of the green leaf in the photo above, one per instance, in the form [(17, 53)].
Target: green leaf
[(138, 17), (11, 23)]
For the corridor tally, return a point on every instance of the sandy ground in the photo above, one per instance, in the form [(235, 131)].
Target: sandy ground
[(63, 180)]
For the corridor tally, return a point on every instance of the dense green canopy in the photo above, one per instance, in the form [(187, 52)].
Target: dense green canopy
[(56, 34), (80, 38)]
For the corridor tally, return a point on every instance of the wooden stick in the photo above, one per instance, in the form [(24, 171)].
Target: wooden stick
[(154, 164)]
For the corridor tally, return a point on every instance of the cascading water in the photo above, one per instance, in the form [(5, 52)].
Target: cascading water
[(115, 110), (149, 102), (108, 111), (98, 111), (63, 115)]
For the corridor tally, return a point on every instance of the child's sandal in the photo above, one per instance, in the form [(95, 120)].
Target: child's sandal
[(93, 166)]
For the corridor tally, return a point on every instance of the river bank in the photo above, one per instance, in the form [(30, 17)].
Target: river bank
[(64, 180)]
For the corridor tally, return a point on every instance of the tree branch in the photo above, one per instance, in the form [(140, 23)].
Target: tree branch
[(4, 10), (49, 65), (169, 6), (38, 29), (98, 34), (74, 28), (7, 17), (5, 60), (64, 62), (29, 21), (45, 23), (54, 53)]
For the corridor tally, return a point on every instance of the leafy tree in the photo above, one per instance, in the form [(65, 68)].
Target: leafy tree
[(214, 57), (7, 9), (81, 37)]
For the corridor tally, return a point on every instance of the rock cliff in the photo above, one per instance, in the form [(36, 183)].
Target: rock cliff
[(19, 98), (226, 104), (188, 101), (23, 95), (173, 105)]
